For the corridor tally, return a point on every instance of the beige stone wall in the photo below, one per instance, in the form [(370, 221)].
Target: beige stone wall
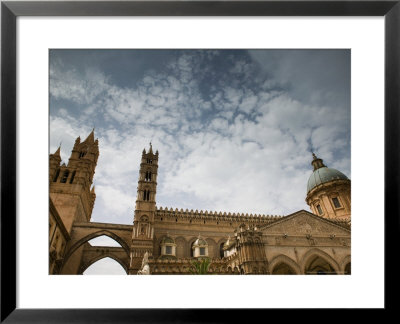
[(323, 196), (58, 240)]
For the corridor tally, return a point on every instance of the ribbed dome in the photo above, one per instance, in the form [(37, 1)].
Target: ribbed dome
[(322, 175)]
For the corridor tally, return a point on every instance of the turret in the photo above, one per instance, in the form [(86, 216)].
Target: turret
[(70, 185)]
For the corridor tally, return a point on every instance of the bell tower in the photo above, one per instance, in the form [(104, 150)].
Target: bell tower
[(71, 188), (145, 209)]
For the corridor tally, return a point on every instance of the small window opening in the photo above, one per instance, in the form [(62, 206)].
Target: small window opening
[(65, 177), (202, 251), (72, 177), (319, 209), (168, 249), (82, 154), (56, 175), (336, 202), (147, 176)]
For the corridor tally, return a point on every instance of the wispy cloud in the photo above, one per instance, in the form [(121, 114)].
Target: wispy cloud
[(233, 131)]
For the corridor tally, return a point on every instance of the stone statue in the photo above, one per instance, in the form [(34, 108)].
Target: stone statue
[(145, 265)]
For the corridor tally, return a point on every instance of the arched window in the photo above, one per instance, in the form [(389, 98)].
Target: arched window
[(81, 154), (72, 177), (147, 176), (56, 175), (65, 177), (146, 195)]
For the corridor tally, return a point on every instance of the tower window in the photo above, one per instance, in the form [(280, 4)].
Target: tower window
[(148, 176), (65, 177), (81, 154), (146, 195), (319, 209), (56, 175), (336, 202), (168, 249), (149, 161), (72, 177)]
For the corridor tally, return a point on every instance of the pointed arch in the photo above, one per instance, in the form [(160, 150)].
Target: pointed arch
[(91, 236), (309, 255), (345, 264), (213, 251), (284, 259), (181, 247), (83, 267)]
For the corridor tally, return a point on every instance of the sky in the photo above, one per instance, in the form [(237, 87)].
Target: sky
[(234, 128)]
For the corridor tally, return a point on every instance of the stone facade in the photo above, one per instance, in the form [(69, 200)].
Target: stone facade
[(172, 241)]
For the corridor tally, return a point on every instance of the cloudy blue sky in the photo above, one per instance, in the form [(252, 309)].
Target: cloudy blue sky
[(234, 128)]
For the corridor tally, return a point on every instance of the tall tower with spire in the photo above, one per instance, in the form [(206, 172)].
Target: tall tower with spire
[(71, 188), (328, 191), (145, 209)]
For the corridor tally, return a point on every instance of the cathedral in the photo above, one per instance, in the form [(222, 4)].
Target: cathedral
[(177, 241)]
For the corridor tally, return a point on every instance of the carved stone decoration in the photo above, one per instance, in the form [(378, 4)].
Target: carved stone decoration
[(145, 265), (312, 241), (277, 240)]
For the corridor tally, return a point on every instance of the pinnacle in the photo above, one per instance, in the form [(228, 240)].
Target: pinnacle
[(90, 138), (57, 153)]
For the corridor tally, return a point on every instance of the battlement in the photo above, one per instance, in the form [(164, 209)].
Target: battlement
[(181, 214)]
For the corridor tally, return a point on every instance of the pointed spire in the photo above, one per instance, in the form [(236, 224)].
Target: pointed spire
[(316, 162), (151, 149), (92, 191), (90, 138), (57, 153)]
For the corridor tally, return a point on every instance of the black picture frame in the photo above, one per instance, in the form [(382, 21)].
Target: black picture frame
[(10, 10)]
